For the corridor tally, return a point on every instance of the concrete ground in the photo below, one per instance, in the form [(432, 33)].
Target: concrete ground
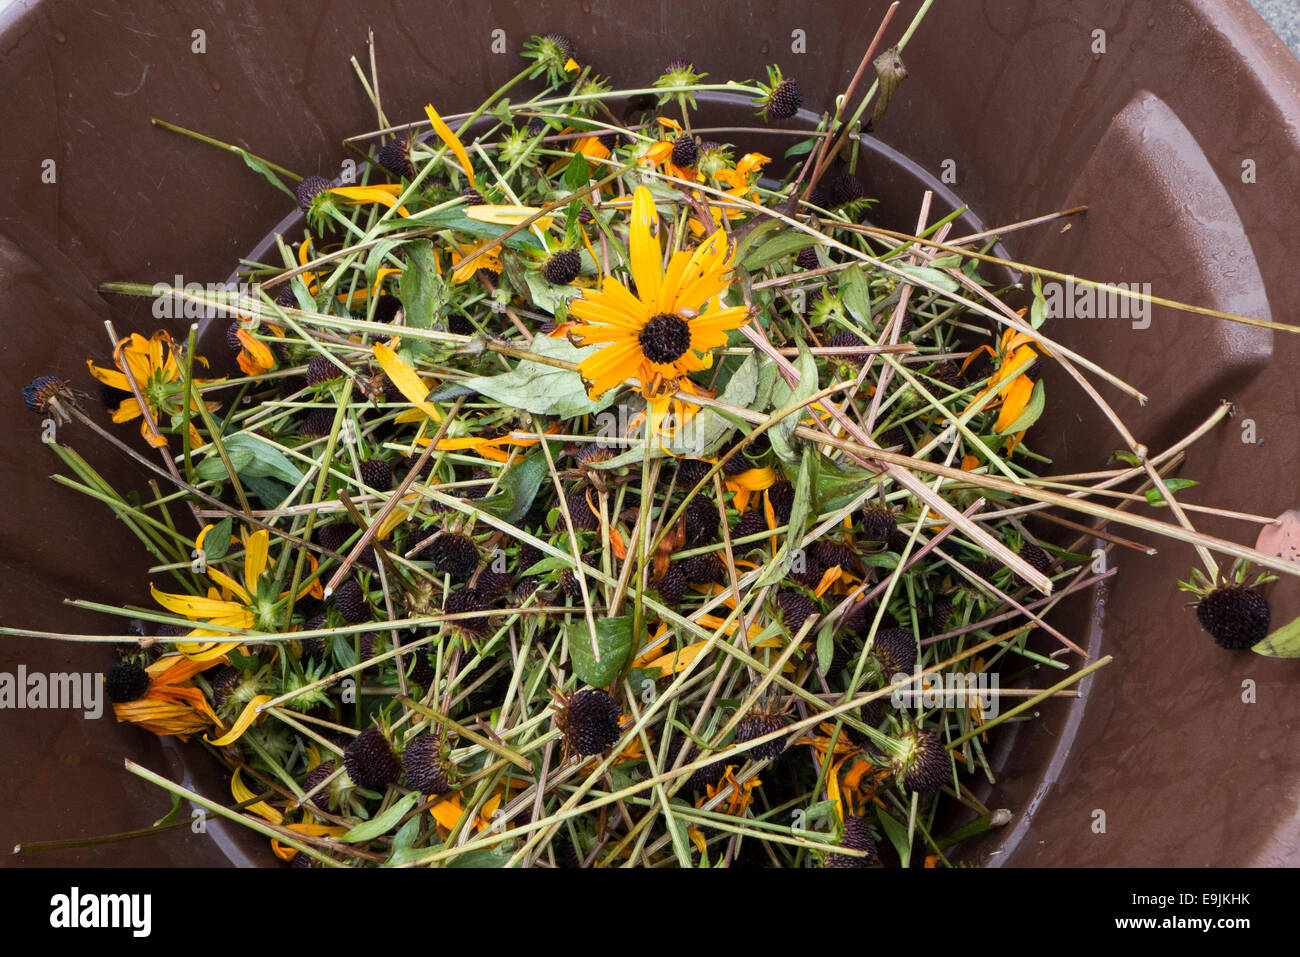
[(1284, 17)]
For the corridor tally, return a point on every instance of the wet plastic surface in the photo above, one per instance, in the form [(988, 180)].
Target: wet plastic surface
[(1152, 135)]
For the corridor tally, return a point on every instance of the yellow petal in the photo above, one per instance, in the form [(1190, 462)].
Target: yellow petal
[(256, 547), (246, 718), (646, 257), (507, 215), (241, 794), (205, 608), (451, 139), (406, 379)]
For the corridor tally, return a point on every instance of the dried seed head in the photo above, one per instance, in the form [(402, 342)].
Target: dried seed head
[(701, 520), (782, 497), (701, 778), (378, 474), (785, 99), (316, 423), (426, 769), (395, 156), (464, 600), (1235, 616), (126, 681), (671, 586), (756, 725), (806, 258), (795, 608), (563, 267), (589, 720), (835, 555), (924, 764), (705, 569), (846, 339), (665, 337), (749, 523), (320, 369), (370, 760), (856, 837), (41, 391), (895, 649), (846, 188), (352, 603), (580, 511), (1037, 558), (309, 189), (453, 554), (940, 612), (690, 471), (878, 523), (686, 150), (314, 779)]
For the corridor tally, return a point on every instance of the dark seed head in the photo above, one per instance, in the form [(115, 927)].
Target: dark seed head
[(756, 725), (834, 555), (749, 523), (309, 189), (878, 523), (563, 267), (334, 537), (701, 520), (464, 600), (38, 393), (316, 423), (948, 373), (795, 608), (857, 837), (426, 769), (472, 197), (665, 338), (690, 471), (781, 496), (807, 258), (589, 721), (313, 649), (232, 337), (701, 778), (223, 680), (611, 140), (320, 369), (352, 603), (493, 583), (1235, 616), (1037, 558), (940, 612), (846, 188), (807, 570), (671, 586), (580, 511), (686, 150), (847, 340), (370, 760), (378, 474), (924, 764), (819, 198), (705, 569), (126, 681), (314, 779), (785, 100), (453, 554), (895, 649), (564, 44), (569, 582), (395, 156)]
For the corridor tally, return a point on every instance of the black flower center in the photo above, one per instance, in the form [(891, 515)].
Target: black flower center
[(665, 338)]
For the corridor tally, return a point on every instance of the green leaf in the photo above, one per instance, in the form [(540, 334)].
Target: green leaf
[(799, 149), (454, 218), (249, 455), (171, 815), (1033, 409), (783, 396), (1156, 498), (1283, 643), (407, 834), (577, 172), (543, 389), (613, 637), (260, 166), (799, 511), (855, 293), (382, 824), (1038, 311), (778, 247), (708, 427), (552, 299), (423, 293), (897, 835), (217, 542), (486, 857), (825, 648), (522, 480), (940, 280)]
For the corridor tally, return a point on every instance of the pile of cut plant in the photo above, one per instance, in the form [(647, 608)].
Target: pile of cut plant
[(592, 492)]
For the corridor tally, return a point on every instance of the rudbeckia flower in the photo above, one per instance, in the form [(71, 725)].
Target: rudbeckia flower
[(383, 193), (249, 604), (666, 331), (1011, 383), (157, 373), (172, 705)]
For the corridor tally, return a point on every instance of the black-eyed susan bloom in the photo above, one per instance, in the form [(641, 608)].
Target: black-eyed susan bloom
[(670, 327)]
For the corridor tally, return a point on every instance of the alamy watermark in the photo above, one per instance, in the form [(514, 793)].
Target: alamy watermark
[(952, 689), (1120, 300), (193, 300), (39, 690)]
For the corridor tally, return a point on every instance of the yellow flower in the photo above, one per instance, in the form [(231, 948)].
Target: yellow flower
[(661, 153), (157, 373), (172, 705), (383, 193), (666, 331), (249, 604), (490, 260), (1010, 383)]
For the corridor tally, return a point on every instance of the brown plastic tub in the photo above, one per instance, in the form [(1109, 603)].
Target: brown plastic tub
[(1151, 135)]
